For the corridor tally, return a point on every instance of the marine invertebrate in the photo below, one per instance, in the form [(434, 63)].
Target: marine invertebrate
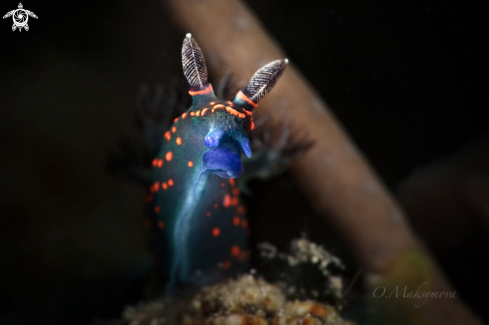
[(195, 223)]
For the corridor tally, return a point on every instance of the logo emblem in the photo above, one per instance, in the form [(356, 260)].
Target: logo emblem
[(20, 17)]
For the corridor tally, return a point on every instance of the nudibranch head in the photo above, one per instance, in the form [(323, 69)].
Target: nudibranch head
[(223, 122)]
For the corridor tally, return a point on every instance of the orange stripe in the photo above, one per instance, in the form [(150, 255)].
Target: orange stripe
[(247, 112), (201, 92), (246, 99)]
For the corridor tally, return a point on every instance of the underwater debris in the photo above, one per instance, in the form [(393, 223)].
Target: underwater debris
[(247, 300), (307, 271)]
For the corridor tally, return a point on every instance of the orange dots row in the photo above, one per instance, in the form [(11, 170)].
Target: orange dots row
[(178, 141), (234, 112), (157, 163), (167, 135), (216, 232), (147, 224), (190, 163), (240, 254), (165, 185)]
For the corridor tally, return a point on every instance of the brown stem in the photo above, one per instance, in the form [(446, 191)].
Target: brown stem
[(334, 174)]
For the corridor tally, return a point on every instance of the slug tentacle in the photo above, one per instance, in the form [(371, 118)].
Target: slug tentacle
[(261, 83), (194, 67)]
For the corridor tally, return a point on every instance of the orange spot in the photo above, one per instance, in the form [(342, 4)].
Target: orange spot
[(204, 110), (226, 265), (167, 135), (157, 209), (192, 113), (235, 250), (160, 224), (179, 141), (229, 126), (201, 92), (190, 164), (160, 163), (227, 201), (169, 156), (215, 205), (208, 214), (235, 191), (174, 129), (212, 103), (156, 187), (236, 221), (197, 114), (230, 103), (155, 162), (222, 184), (184, 115), (252, 125), (245, 98), (231, 181), (164, 186), (234, 201), (244, 223), (170, 182), (216, 232), (176, 119)]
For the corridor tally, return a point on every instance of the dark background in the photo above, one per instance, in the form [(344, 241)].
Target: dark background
[(404, 78)]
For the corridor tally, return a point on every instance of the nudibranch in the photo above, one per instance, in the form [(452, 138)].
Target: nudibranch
[(195, 221)]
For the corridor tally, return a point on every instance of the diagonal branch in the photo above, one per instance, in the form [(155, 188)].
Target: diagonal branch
[(335, 176)]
